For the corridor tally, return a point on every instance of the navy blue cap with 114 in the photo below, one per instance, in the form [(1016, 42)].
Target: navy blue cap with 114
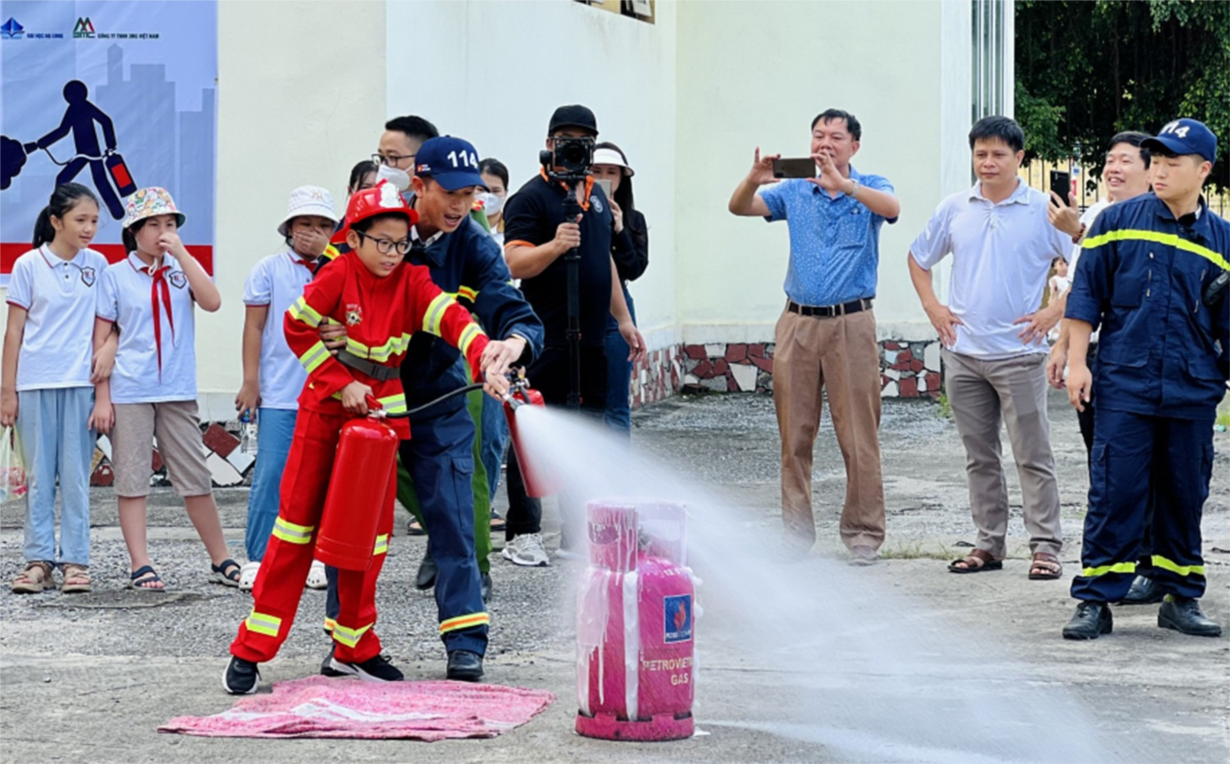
[(451, 162), (1184, 136)]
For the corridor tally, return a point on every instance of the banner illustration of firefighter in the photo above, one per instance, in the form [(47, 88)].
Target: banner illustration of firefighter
[(115, 94)]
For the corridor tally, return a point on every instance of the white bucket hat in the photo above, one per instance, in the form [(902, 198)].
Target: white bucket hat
[(611, 156), (308, 200)]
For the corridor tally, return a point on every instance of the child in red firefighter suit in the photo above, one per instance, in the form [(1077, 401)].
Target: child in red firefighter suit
[(383, 302)]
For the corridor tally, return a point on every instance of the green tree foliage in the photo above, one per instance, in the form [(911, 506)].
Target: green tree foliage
[(1087, 70)]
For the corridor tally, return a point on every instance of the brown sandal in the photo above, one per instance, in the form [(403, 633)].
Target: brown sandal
[(34, 579), (76, 579), (977, 561), (1045, 567)]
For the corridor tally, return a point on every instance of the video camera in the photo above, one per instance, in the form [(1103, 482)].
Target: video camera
[(570, 160)]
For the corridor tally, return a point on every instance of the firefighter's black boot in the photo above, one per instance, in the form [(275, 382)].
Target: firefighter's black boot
[(1090, 621), (1183, 615), (465, 666), (1144, 591)]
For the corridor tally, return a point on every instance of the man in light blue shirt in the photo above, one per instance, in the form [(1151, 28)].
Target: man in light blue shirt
[(826, 337), (1002, 245)]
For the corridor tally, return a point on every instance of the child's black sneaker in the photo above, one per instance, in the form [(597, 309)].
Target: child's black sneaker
[(377, 669), (326, 667), (241, 677)]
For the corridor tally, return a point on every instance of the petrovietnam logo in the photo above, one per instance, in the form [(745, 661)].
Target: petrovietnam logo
[(677, 618), (84, 28), (11, 30)]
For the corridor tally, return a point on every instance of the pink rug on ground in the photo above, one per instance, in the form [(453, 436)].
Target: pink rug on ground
[(348, 708)]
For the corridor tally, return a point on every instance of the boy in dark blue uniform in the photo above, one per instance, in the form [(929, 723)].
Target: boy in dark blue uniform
[(1152, 276)]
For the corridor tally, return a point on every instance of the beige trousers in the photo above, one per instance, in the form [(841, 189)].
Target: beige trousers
[(838, 355), (982, 393)]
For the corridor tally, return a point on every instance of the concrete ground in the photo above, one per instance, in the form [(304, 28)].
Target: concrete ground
[(900, 661)]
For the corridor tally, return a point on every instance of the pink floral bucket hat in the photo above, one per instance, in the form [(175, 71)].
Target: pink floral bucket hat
[(150, 202)]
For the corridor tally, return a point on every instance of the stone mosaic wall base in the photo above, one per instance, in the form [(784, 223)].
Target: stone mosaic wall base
[(228, 465), (907, 370)]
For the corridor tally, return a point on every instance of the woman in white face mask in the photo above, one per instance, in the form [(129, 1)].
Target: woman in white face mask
[(495, 176)]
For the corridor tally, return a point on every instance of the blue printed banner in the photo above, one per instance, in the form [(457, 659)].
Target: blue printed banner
[(115, 95)]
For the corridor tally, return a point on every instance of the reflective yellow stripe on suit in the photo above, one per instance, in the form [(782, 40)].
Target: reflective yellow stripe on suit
[(301, 311), (394, 346), (1169, 239), (314, 357), (468, 335), (1174, 567), (349, 637), (1101, 570), (464, 622), (435, 312), (382, 544), (262, 623), (393, 404), (292, 533)]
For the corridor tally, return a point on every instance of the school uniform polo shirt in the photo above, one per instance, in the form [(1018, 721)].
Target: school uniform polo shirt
[(1143, 278), (156, 360), (58, 297), (276, 282), (834, 240), (1001, 253), (531, 217)]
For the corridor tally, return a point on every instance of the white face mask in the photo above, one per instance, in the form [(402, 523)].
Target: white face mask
[(399, 179), (492, 204)]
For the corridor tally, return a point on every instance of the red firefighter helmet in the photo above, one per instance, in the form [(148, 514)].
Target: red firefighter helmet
[(378, 200)]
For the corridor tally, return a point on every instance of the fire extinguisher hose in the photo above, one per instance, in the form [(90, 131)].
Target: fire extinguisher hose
[(442, 398)]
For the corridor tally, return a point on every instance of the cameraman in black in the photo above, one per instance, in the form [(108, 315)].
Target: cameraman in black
[(539, 237)]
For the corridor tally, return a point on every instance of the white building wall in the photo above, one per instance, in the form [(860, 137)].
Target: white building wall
[(756, 74), (492, 72), (300, 100), (303, 96)]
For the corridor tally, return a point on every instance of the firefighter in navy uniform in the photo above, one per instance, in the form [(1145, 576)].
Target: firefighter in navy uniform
[(1153, 275)]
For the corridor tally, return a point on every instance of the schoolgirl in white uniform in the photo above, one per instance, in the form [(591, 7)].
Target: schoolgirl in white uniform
[(46, 389), (150, 296)]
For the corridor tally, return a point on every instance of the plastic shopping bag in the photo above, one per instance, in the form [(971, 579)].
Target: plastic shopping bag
[(12, 467)]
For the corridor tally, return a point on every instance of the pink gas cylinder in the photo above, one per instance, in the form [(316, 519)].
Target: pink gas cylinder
[(635, 616)]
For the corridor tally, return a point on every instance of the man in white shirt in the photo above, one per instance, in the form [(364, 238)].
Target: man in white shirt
[(1002, 246)]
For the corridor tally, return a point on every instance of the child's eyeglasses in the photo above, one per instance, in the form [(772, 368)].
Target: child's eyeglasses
[(386, 246)]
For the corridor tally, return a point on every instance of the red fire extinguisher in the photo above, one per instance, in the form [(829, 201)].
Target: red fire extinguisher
[(538, 481), (366, 458)]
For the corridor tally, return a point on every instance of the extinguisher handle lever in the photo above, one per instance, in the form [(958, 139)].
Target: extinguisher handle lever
[(374, 407)]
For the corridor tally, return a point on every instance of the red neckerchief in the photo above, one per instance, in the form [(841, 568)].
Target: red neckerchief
[(160, 280), (306, 262)]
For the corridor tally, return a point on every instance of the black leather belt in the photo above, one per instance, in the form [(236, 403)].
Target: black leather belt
[(370, 368), (829, 311)]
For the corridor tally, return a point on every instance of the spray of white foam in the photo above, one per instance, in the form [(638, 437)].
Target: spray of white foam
[(835, 659)]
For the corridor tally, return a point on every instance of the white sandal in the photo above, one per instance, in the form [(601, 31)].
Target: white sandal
[(247, 575), (317, 578)]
